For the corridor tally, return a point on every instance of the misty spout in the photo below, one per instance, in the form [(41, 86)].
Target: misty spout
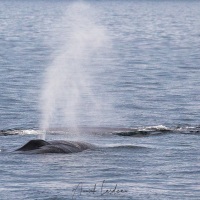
[(67, 92)]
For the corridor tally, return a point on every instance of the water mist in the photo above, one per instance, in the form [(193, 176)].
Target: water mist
[(66, 92)]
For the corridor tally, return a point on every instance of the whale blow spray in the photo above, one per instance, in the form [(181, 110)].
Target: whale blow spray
[(67, 96)]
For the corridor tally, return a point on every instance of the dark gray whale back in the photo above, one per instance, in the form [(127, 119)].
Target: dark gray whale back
[(32, 145), (57, 146)]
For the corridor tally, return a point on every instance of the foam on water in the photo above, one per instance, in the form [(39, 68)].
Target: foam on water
[(134, 132)]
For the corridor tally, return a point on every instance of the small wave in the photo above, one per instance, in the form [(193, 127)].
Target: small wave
[(144, 131), (158, 130), (19, 132), (131, 132), (127, 147)]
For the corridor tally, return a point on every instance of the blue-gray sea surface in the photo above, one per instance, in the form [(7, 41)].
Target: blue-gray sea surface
[(123, 75)]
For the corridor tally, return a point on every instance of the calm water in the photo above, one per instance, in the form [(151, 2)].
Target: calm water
[(125, 74)]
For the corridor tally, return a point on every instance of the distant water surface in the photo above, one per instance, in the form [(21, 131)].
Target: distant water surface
[(145, 80)]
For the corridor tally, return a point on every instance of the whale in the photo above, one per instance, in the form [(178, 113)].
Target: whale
[(39, 146)]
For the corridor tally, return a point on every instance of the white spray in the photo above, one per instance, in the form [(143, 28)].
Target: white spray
[(67, 86)]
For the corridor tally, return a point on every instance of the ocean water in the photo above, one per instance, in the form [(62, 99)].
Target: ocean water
[(123, 75)]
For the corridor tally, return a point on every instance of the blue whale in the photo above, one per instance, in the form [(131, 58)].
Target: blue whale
[(57, 146)]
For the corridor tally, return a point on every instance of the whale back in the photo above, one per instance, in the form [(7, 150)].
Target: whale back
[(57, 146), (33, 144)]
